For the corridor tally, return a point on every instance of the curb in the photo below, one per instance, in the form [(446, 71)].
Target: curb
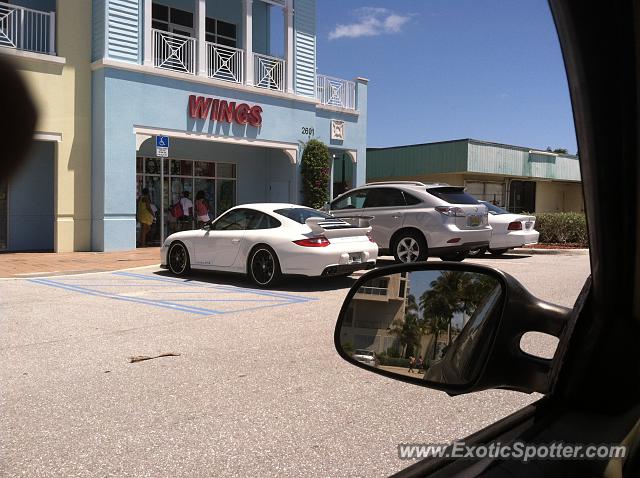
[(549, 252)]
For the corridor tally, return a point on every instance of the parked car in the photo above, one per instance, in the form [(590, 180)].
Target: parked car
[(414, 220), (509, 231), (268, 240), (366, 357), (590, 388)]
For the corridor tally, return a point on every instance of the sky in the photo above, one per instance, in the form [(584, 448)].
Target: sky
[(448, 69)]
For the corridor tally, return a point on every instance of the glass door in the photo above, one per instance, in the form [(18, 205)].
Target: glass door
[(3, 214)]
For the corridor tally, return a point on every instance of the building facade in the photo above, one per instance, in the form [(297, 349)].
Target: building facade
[(207, 75), (517, 178), (47, 204), (375, 313)]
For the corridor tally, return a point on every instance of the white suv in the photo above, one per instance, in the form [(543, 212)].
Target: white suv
[(414, 220)]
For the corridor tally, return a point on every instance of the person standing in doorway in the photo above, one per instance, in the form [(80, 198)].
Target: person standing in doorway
[(202, 208), (145, 216), (187, 211)]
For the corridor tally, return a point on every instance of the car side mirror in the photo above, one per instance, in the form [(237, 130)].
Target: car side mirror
[(326, 207), (452, 327), (207, 226)]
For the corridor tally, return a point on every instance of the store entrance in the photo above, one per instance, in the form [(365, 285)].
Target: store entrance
[(522, 196), (177, 195), (342, 173)]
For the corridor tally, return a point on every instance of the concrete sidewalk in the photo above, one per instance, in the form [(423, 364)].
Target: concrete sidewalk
[(37, 264)]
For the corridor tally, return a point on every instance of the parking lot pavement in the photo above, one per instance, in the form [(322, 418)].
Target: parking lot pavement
[(255, 386)]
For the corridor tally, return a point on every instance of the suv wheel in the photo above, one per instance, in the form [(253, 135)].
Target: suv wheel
[(410, 247)]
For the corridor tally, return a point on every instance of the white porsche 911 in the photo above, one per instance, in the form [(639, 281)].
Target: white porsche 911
[(268, 240)]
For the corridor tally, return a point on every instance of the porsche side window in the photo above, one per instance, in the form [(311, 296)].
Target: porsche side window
[(354, 200), (259, 220), (235, 220)]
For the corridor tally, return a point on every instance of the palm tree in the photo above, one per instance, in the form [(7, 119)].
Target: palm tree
[(451, 293), (409, 329)]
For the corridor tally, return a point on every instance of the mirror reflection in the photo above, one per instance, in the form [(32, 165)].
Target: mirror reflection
[(432, 324)]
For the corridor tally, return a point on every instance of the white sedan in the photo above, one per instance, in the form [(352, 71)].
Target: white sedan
[(509, 230), (268, 240)]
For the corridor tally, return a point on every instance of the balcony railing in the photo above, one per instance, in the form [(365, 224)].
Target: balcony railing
[(372, 290), (225, 63), (25, 29), (269, 72), (174, 52), (336, 92)]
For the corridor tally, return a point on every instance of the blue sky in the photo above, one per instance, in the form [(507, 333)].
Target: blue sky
[(449, 69)]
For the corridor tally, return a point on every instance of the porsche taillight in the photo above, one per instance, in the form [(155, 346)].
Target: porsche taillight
[(318, 241)]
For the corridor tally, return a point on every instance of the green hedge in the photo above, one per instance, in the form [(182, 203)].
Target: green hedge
[(393, 361), (316, 173), (562, 228)]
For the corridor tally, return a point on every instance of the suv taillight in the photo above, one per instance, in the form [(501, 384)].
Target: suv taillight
[(450, 211), (318, 241), (370, 238), (515, 226)]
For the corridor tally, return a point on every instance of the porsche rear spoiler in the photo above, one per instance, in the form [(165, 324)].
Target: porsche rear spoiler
[(338, 227)]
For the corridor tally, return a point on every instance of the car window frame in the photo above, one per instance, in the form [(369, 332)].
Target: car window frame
[(382, 191), (228, 213), (347, 195)]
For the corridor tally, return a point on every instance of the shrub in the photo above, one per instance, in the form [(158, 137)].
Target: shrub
[(392, 361), (562, 227), (316, 172)]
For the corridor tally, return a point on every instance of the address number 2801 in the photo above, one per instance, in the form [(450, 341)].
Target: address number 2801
[(308, 131)]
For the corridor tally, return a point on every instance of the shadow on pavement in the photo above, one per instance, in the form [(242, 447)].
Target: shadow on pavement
[(502, 257), (287, 284)]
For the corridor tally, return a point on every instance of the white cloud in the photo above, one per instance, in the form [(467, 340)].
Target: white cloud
[(371, 21)]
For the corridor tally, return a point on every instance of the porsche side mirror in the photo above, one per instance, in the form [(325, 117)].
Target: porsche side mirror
[(452, 327)]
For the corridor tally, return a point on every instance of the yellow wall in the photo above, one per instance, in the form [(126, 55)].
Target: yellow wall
[(555, 196), (63, 96)]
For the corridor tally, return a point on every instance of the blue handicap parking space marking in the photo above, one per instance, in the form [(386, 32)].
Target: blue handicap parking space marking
[(182, 295)]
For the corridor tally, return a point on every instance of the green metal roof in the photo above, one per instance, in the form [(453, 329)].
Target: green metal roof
[(469, 155)]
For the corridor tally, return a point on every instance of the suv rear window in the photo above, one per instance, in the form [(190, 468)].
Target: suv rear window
[(453, 195)]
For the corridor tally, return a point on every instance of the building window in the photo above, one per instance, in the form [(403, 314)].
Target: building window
[(220, 32), (487, 191), (172, 20), (181, 22), (216, 182)]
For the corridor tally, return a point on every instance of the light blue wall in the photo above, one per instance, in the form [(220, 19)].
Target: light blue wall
[(304, 22), (98, 13), (123, 99), (31, 201), (123, 30)]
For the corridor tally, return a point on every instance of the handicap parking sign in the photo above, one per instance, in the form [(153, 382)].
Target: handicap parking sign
[(162, 146)]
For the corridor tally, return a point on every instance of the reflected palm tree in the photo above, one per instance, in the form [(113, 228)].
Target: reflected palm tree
[(450, 294)]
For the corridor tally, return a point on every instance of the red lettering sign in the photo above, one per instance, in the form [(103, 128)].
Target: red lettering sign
[(201, 107)]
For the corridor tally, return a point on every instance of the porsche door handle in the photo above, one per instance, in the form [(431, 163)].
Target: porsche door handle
[(235, 240)]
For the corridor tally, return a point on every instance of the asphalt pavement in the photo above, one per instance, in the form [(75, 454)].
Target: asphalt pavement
[(254, 385)]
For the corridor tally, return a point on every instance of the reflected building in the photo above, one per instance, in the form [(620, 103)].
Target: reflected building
[(377, 305)]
